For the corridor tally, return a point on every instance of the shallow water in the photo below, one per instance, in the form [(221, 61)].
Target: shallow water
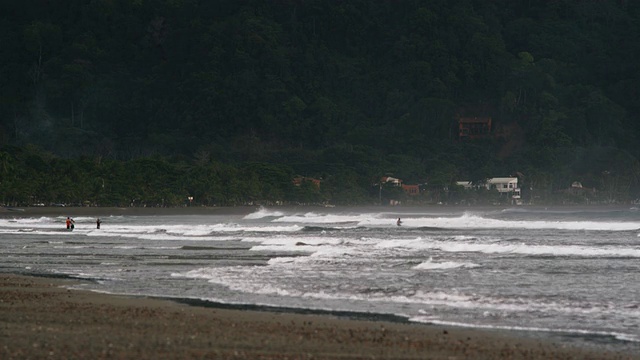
[(569, 273)]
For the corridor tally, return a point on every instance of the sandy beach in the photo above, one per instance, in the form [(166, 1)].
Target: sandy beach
[(41, 318)]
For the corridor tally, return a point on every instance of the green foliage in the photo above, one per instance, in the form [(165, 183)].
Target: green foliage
[(343, 91)]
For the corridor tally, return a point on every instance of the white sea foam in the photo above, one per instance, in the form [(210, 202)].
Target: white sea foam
[(48, 232), (157, 237), (316, 249), (466, 220), (262, 213), (561, 250), (478, 222), (257, 281), (298, 241), (307, 244), (283, 260), (49, 224), (21, 221), (524, 249), (445, 265), (236, 227), (182, 232), (311, 250), (617, 335), (364, 262), (315, 218)]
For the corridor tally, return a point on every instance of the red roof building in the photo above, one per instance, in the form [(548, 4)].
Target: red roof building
[(411, 190), (297, 181), (474, 127)]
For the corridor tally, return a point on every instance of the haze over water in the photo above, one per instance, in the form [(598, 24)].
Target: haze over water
[(569, 273)]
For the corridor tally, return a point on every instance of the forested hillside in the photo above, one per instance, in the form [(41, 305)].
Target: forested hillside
[(151, 101)]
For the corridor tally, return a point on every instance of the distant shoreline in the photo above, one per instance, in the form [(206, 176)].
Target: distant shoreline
[(133, 211), (98, 211)]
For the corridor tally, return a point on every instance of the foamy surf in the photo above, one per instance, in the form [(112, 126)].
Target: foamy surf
[(618, 336), (444, 265), (520, 268)]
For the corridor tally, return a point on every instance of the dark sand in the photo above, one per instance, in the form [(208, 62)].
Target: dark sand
[(39, 319)]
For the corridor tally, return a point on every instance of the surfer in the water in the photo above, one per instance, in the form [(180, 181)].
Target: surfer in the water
[(399, 222)]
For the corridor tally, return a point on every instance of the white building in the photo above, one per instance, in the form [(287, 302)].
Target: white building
[(389, 179), (467, 185), (504, 185)]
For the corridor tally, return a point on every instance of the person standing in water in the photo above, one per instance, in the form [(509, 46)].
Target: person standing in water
[(98, 223), (68, 223), (399, 222)]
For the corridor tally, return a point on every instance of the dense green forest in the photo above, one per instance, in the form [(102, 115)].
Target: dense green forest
[(155, 102)]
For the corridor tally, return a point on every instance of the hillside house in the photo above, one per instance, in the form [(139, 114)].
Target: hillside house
[(473, 127), (298, 180), (576, 189), (389, 179), (503, 184), (411, 190)]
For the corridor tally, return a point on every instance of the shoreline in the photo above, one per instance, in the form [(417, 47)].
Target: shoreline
[(41, 317), (118, 211), (99, 211)]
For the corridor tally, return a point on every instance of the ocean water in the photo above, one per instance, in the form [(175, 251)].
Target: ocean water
[(572, 274)]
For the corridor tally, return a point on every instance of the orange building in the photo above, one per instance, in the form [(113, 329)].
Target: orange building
[(411, 190), (298, 180), (473, 127)]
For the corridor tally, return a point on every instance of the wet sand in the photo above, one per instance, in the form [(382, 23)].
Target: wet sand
[(40, 318)]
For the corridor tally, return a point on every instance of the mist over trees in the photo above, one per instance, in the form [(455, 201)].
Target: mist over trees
[(128, 102)]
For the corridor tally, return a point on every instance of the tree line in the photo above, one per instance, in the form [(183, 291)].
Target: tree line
[(31, 177)]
